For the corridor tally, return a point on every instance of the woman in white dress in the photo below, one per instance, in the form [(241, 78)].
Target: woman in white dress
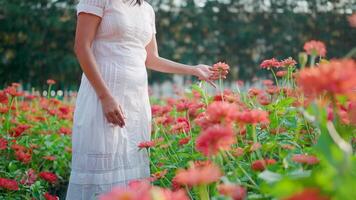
[(115, 41)]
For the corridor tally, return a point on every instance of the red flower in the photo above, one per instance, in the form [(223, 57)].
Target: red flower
[(65, 131), (23, 156), (3, 97), (260, 165), (305, 159), (18, 131), (268, 64), (198, 175), (48, 196), (147, 144), (48, 176), (9, 184), (236, 192), (51, 82), (316, 48), (308, 194), (3, 143), (184, 141), (336, 77), (181, 125), (215, 138)]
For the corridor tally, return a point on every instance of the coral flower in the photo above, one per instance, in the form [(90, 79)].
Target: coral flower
[(30, 177), (352, 20), (48, 176), (181, 125), (23, 156), (271, 63), (147, 144), (308, 194), (65, 130), (316, 48), (236, 192), (220, 70), (253, 117), (305, 159), (9, 184), (198, 175), (184, 141), (336, 77), (221, 112), (136, 190), (215, 138)]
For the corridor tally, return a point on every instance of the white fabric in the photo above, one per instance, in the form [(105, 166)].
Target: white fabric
[(105, 156)]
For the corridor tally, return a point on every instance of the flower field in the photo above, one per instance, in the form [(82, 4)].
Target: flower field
[(291, 138)]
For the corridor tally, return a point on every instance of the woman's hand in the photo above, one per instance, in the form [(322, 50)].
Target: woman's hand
[(113, 111), (204, 72)]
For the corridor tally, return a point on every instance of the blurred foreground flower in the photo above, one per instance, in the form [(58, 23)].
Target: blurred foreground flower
[(336, 77)]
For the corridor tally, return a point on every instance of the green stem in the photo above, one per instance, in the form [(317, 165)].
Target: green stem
[(203, 192)]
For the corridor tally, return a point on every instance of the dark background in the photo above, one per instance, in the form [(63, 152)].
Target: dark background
[(36, 36)]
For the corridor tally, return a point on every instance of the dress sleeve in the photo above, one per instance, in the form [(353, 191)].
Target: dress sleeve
[(95, 7), (153, 22)]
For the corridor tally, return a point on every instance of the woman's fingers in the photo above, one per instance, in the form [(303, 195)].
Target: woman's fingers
[(116, 120), (120, 117)]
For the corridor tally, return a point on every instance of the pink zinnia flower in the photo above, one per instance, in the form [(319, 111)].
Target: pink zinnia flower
[(214, 139), (270, 63), (315, 47)]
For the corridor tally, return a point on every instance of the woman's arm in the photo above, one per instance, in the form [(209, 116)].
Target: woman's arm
[(87, 25), (155, 62)]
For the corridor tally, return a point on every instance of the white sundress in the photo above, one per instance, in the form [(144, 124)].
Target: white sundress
[(104, 156)]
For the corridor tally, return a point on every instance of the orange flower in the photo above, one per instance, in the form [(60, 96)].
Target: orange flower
[(316, 48), (236, 192), (220, 112), (48, 196), (198, 175), (215, 138), (336, 77)]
